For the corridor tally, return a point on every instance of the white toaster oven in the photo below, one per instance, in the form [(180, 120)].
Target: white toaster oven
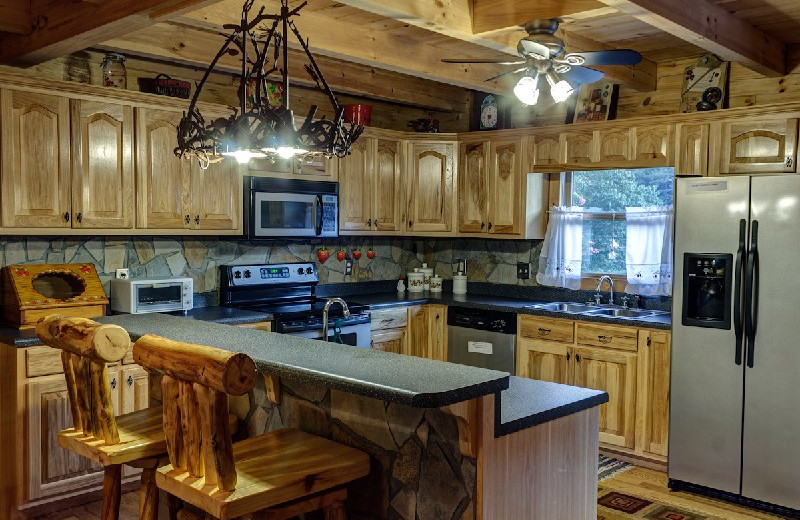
[(138, 295)]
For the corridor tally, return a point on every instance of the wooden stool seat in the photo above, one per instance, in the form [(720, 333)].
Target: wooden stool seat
[(274, 468), (141, 436)]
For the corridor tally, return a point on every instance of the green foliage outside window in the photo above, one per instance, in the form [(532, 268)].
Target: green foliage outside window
[(602, 193)]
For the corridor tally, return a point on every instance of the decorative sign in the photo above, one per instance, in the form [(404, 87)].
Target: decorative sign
[(705, 85), (596, 102)]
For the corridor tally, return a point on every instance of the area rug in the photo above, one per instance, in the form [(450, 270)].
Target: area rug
[(613, 505), (608, 466)]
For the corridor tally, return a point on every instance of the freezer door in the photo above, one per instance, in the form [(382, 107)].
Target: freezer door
[(706, 389), (771, 451)]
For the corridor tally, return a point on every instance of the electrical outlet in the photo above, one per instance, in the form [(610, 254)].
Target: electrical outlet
[(523, 270), (348, 266), (122, 273)]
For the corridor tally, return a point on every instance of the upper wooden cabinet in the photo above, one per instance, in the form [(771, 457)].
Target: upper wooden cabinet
[(102, 165), (176, 193), (35, 160), (691, 143), (473, 187), (578, 148), (758, 145), (653, 146), (613, 145), (370, 187), (544, 151), (315, 168), (430, 182)]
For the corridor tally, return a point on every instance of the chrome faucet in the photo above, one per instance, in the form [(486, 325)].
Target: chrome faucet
[(610, 287), (325, 310)]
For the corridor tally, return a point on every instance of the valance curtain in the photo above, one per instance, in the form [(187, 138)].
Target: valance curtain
[(648, 256), (560, 261)]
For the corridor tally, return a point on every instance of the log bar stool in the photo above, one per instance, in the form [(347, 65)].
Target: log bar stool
[(136, 439), (280, 474)]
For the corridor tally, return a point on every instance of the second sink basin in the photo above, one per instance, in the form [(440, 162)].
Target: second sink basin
[(621, 313), (564, 307)]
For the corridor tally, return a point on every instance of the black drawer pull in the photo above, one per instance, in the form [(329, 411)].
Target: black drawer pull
[(544, 332), (605, 339)]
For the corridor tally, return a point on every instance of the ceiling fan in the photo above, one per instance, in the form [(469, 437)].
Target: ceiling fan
[(543, 53)]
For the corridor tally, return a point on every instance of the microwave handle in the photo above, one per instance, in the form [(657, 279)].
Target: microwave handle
[(318, 215)]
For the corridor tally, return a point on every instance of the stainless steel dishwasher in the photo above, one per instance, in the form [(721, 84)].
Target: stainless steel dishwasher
[(482, 338)]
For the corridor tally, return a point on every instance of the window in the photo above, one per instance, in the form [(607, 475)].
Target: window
[(604, 195)]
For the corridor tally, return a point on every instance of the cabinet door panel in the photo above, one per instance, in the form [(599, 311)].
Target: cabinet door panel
[(505, 216), (35, 160), (164, 185), (579, 147), (318, 166), (759, 146), (432, 187), (102, 174), (653, 145), (216, 195), (472, 188), (356, 187), (692, 146), (615, 373), (614, 146), (546, 150), (51, 468), (544, 360), (652, 414), (389, 340), (388, 189)]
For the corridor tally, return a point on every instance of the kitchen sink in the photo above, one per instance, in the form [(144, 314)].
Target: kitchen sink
[(621, 313), (574, 308)]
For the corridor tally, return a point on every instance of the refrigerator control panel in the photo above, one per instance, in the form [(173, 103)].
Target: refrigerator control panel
[(707, 290)]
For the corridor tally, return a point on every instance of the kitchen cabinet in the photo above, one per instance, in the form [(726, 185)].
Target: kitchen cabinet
[(757, 145), (630, 363), (430, 181), (35, 163), (427, 331), (390, 340), (692, 149), (102, 165), (653, 145), (613, 146), (389, 329), (370, 188), (176, 193), (311, 168), (544, 152), (490, 195), (578, 148)]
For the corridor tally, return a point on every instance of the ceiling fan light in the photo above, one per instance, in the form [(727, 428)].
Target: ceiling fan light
[(527, 91), (560, 89)]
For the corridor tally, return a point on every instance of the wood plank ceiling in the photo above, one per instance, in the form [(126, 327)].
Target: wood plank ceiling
[(391, 49)]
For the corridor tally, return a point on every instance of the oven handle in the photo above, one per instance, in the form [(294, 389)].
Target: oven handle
[(318, 215)]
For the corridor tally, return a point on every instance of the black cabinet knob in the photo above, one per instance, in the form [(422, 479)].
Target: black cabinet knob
[(66, 216)]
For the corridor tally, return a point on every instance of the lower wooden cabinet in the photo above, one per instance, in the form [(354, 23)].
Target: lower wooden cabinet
[(390, 340), (629, 363), (418, 330)]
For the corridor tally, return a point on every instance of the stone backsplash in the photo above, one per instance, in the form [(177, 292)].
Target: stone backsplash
[(199, 258)]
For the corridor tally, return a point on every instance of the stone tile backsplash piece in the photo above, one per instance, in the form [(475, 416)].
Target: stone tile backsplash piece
[(199, 258)]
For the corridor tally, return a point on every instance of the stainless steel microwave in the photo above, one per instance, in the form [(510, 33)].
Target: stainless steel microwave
[(138, 295), (289, 208)]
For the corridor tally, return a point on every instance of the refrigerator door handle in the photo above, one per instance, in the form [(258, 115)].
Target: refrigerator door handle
[(751, 295), (737, 290)]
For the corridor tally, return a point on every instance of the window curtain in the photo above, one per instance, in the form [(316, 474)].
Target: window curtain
[(648, 255), (560, 261)]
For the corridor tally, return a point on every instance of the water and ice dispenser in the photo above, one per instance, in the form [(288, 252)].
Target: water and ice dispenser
[(707, 290)]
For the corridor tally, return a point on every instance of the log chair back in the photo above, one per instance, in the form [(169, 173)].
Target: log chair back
[(86, 346), (194, 387)]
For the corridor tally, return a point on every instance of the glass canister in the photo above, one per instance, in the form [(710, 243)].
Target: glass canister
[(114, 73)]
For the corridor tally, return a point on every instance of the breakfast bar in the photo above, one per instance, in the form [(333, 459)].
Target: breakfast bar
[(445, 441)]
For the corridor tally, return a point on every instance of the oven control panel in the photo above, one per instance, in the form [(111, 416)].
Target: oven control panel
[(271, 274)]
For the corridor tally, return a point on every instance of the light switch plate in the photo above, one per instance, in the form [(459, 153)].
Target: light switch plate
[(348, 267), (523, 270)]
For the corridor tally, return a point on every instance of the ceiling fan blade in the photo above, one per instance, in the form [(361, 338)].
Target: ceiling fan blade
[(578, 74), (613, 57), (498, 61), (504, 73)]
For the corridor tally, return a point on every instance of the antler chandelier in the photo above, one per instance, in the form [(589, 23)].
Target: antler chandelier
[(256, 128)]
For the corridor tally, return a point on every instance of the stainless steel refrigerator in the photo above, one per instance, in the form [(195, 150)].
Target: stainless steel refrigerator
[(735, 384)]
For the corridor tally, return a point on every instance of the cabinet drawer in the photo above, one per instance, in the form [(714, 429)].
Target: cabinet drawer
[(393, 318), (43, 361), (623, 338), (546, 328)]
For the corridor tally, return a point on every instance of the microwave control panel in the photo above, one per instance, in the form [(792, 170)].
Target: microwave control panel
[(271, 274), (330, 213)]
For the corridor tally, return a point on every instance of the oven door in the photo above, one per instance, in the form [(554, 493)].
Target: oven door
[(286, 215), (358, 335), (158, 297)]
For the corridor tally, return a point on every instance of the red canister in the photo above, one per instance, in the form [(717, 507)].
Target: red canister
[(357, 114)]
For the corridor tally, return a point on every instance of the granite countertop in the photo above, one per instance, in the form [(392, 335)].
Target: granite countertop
[(389, 377), (529, 402), (497, 303)]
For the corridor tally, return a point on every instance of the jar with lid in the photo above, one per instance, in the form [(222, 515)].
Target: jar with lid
[(114, 73)]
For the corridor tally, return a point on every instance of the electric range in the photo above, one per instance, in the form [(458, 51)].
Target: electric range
[(288, 292)]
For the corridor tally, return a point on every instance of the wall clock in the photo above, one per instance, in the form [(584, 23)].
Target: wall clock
[(487, 112)]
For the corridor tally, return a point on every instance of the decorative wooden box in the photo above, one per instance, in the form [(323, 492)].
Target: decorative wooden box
[(36, 290)]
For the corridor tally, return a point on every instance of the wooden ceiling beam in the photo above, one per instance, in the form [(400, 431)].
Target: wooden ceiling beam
[(15, 16), (60, 27), (453, 18), (387, 50), (493, 15), (195, 47), (711, 27)]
